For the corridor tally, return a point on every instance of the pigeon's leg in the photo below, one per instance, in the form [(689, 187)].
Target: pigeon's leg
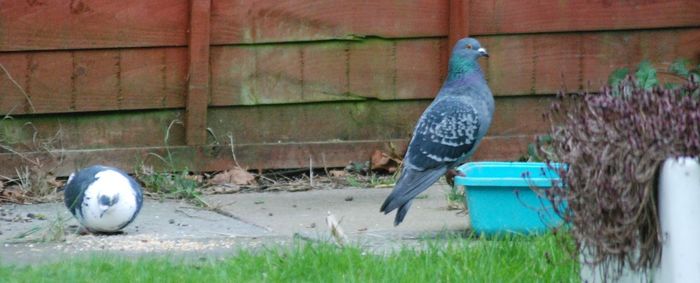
[(450, 176)]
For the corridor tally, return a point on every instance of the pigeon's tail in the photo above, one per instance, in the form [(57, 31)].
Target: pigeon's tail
[(410, 184)]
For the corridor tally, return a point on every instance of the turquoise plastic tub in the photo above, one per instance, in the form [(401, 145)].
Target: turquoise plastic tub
[(500, 198)]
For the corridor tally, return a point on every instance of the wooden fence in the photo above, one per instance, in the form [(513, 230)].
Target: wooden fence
[(131, 81)]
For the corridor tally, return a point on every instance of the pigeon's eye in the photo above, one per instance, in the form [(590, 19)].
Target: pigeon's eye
[(469, 46)]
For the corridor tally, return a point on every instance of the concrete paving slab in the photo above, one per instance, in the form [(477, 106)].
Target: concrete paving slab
[(287, 213), (250, 220)]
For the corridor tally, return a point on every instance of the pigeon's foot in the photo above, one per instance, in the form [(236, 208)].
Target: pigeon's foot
[(450, 176)]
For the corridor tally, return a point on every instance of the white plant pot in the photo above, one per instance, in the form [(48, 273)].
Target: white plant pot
[(679, 216), (679, 213)]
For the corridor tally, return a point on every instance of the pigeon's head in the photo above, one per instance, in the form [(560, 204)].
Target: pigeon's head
[(106, 202), (469, 49)]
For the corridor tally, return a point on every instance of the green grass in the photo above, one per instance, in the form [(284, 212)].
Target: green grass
[(520, 259)]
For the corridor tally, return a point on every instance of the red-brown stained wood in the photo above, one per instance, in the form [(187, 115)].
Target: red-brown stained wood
[(270, 128), (520, 115), (232, 75), (459, 20), (252, 156), (94, 80), (371, 69), (610, 51), (509, 148), (420, 68), (511, 64), (277, 75), (325, 72), (206, 158), (404, 69), (509, 17), (198, 74), (93, 130), (77, 24), (304, 20), (543, 63), (345, 121), (50, 80), (367, 120), (519, 65), (96, 76), (153, 78)]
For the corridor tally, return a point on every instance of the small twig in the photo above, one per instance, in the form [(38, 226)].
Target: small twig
[(262, 176), (218, 210), (311, 171), (335, 230), (191, 216), (36, 163), (325, 166), (26, 96), (233, 150)]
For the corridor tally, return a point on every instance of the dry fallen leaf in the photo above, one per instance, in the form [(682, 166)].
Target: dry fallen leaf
[(236, 176), (383, 161), (12, 194), (338, 173)]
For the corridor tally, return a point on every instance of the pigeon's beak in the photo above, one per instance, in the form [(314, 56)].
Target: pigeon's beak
[(483, 52)]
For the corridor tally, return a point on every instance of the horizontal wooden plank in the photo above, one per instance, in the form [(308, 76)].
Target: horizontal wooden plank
[(287, 123), (104, 80), (545, 63), (511, 17), (384, 69), (306, 20), (204, 158), (251, 156), (78, 24), (359, 120), (92, 80), (56, 25), (92, 130), (503, 148)]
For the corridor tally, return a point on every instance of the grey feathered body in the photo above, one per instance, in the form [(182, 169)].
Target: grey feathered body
[(446, 135)]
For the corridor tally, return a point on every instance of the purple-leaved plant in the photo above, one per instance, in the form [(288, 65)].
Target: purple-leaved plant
[(614, 142)]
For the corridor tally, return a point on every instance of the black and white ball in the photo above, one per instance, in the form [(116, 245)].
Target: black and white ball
[(103, 199)]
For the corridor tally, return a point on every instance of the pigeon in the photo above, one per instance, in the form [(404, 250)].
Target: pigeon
[(103, 199), (449, 130)]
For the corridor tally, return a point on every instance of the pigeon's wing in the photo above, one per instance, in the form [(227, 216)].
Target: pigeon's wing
[(74, 191), (446, 131)]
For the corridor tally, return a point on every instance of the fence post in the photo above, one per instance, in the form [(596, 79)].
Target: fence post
[(459, 22), (198, 74)]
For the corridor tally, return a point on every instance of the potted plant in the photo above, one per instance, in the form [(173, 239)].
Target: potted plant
[(614, 143)]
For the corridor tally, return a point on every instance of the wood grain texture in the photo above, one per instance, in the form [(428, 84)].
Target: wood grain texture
[(286, 123), (198, 87), (78, 24), (545, 63), (493, 17), (306, 20), (93, 130), (459, 20), (93, 80), (329, 71), (252, 156), (361, 120), (204, 158)]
